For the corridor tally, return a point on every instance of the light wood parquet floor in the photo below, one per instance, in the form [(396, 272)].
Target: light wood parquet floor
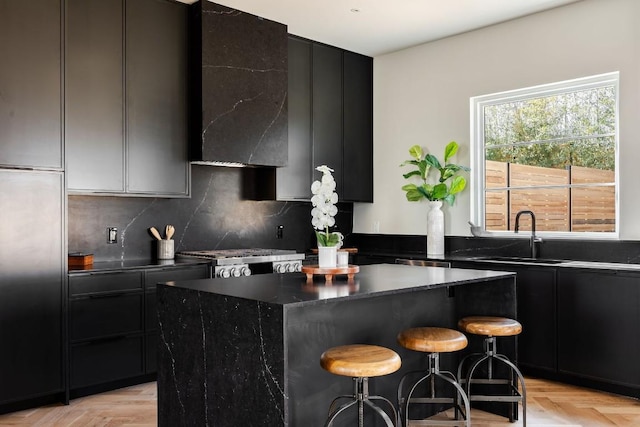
[(548, 404)]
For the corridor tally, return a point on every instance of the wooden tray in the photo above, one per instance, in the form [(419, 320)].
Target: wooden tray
[(350, 250), (311, 270), (78, 259)]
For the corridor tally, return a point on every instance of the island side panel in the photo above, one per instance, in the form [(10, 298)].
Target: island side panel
[(312, 329), (220, 360), (494, 298)]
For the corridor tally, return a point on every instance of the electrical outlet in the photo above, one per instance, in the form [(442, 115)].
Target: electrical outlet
[(112, 235), (280, 232)]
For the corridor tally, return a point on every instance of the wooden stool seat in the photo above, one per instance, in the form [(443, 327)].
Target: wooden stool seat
[(432, 340), (360, 360), (490, 326)]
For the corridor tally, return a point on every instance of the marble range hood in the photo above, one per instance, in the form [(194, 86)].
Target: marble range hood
[(238, 88)]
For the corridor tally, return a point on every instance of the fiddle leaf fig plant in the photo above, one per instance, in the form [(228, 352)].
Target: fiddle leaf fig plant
[(449, 182)]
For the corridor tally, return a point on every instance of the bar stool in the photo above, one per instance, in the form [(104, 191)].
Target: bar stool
[(433, 341), (492, 327), (360, 361)]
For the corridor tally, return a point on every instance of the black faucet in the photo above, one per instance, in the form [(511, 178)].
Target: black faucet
[(534, 239)]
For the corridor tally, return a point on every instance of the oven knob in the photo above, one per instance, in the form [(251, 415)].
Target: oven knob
[(297, 267), (279, 268), (235, 272), (287, 268), (224, 273), (245, 271)]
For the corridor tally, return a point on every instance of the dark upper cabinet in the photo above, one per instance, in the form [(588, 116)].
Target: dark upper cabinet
[(300, 133), (156, 84), (94, 95), (358, 128), (239, 83), (31, 284), (327, 111), (126, 97), (330, 121), (30, 83)]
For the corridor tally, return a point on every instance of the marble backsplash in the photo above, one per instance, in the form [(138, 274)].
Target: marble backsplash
[(217, 216)]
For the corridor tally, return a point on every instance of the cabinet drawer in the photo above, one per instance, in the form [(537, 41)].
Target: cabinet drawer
[(109, 282), (105, 315), (152, 353), (103, 361), (151, 311), (187, 273)]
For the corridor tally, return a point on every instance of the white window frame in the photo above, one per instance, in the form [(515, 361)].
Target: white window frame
[(477, 149)]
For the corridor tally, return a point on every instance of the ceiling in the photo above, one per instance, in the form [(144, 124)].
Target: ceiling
[(375, 27)]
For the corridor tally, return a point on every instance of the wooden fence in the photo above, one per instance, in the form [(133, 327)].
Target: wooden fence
[(557, 209)]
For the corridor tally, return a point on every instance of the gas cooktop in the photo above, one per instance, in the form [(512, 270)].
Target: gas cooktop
[(235, 262), (238, 253), (244, 256)]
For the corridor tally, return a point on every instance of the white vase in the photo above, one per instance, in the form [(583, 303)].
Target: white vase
[(435, 229), (327, 256)]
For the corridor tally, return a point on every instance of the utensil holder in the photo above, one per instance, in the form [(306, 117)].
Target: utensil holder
[(165, 249), (343, 258)]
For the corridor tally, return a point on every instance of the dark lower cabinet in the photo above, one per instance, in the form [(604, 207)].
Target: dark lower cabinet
[(106, 330), (598, 318), (579, 325), (536, 296), (113, 332), (536, 291), (105, 315), (106, 360)]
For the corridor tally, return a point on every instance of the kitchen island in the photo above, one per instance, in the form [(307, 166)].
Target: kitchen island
[(246, 351)]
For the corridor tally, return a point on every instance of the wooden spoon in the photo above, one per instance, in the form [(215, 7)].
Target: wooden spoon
[(169, 231), (155, 233)]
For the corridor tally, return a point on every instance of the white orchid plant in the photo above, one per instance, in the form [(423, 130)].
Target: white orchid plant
[(324, 208)]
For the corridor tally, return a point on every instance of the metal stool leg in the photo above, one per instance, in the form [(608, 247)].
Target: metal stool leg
[(361, 397), (518, 395), (433, 373)]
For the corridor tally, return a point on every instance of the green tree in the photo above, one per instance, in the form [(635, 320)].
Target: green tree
[(572, 129)]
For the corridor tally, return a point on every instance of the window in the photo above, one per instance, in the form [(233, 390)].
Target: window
[(550, 149)]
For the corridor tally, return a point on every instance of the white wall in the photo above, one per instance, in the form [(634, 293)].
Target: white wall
[(421, 96)]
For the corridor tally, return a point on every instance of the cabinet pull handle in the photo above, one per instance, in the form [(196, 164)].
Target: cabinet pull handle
[(108, 339), (119, 294), (100, 340)]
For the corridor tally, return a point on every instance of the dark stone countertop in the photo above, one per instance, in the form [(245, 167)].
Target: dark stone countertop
[(372, 280), (134, 264), (546, 262)]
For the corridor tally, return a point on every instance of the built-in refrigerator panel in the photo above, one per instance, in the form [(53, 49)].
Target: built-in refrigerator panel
[(32, 269)]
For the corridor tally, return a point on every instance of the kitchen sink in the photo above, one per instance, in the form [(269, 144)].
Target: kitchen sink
[(521, 259)]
